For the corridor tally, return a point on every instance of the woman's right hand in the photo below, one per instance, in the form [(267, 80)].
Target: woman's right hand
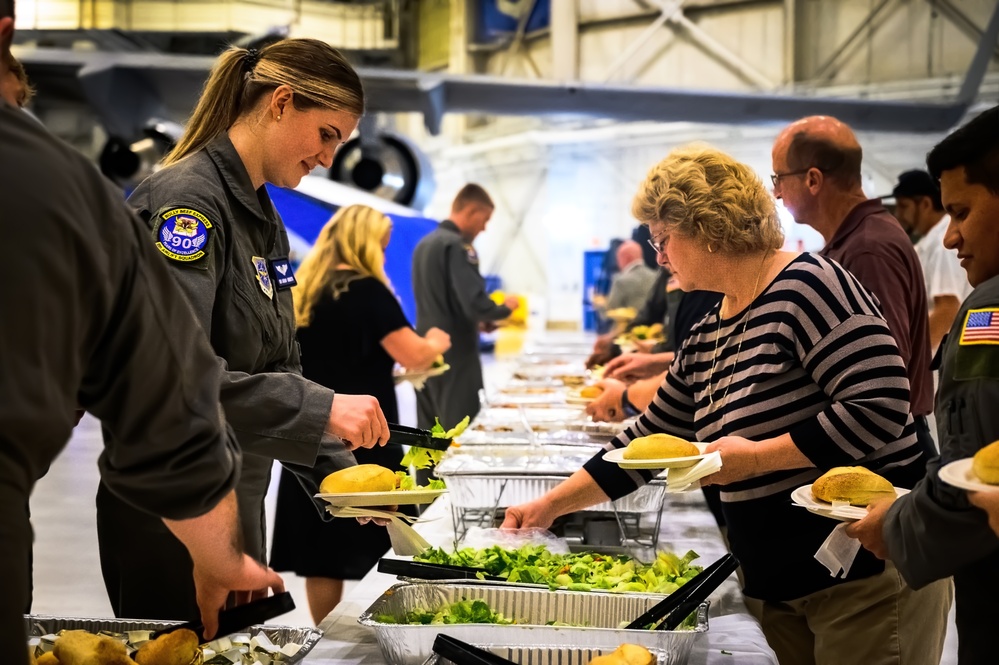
[(531, 514), (358, 421), (439, 339)]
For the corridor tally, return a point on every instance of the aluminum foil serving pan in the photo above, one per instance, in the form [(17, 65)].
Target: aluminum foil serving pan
[(490, 477), (553, 655), (595, 618), (38, 625)]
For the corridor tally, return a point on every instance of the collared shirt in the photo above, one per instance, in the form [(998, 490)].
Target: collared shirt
[(872, 245), (942, 270), (632, 286)]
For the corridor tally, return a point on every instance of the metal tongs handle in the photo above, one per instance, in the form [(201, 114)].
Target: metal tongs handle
[(412, 436), (432, 571), (678, 605), (463, 653)]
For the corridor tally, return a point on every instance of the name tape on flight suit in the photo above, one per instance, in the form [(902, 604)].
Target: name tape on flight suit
[(183, 234), (977, 353), (283, 273)]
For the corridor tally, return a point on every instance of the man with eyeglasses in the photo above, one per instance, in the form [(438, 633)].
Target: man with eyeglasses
[(816, 162)]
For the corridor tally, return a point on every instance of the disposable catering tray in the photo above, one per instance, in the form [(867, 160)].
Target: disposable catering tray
[(554, 655), (596, 617), (499, 476), (37, 625)]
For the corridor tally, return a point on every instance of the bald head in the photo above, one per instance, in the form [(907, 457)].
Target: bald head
[(824, 143), (628, 252)]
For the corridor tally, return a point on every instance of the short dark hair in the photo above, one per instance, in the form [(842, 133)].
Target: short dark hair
[(836, 162), (472, 193), (918, 184), (975, 146)]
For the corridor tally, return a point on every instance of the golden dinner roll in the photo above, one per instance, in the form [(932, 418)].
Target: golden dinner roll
[(176, 648), (591, 391), (660, 446), (986, 464), (854, 484), (360, 478), (626, 654)]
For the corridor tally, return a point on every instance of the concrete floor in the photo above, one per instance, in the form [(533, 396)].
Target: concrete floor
[(67, 575)]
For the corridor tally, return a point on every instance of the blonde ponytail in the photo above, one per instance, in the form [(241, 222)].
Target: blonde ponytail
[(316, 72)]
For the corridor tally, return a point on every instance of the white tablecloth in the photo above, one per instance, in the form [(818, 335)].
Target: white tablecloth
[(734, 637)]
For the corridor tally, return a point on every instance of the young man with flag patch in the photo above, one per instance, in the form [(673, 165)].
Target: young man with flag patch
[(934, 532)]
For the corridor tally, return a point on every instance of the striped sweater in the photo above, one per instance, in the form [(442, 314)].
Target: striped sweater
[(817, 361)]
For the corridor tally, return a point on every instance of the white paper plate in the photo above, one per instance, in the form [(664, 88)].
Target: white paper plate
[(617, 457), (959, 474), (803, 497), (420, 376), (396, 498)]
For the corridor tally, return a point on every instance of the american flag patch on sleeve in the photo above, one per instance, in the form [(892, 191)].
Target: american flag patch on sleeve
[(981, 326)]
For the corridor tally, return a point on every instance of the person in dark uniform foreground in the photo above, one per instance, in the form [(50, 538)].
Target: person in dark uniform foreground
[(352, 331), (933, 533), (92, 319), (451, 295), (264, 117)]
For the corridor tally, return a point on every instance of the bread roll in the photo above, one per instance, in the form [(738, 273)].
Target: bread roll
[(660, 446), (176, 648), (855, 484), (626, 654), (986, 464), (360, 478)]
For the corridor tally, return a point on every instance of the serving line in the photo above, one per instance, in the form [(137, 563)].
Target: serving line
[(734, 636)]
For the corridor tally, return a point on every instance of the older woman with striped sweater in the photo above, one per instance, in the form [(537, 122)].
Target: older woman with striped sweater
[(795, 372)]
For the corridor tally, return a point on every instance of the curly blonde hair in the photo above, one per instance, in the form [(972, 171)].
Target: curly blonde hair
[(703, 193), (352, 237)]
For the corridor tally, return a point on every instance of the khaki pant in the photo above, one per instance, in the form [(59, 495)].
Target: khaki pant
[(874, 621)]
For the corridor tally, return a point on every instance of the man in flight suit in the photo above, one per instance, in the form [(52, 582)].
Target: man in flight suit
[(933, 532), (92, 319), (451, 295)]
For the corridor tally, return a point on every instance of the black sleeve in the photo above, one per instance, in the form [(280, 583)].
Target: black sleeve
[(96, 321), (693, 307)]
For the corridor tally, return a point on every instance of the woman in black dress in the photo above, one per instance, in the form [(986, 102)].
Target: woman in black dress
[(352, 331)]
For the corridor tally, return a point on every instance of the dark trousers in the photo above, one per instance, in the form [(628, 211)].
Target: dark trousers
[(147, 571)]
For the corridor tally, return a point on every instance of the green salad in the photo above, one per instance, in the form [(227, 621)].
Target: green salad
[(584, 571), (423, 458), (464, 611), (404, 481)]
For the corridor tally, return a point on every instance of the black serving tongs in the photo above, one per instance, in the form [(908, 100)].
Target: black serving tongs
[(412, 436), (240, 617), (678, 605), (463, 653), (433, 571)]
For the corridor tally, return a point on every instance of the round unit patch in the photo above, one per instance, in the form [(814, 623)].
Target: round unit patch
[(183, 234)]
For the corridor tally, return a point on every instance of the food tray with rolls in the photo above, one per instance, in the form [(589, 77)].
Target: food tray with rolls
[(553, 655), (594, 619), (38, 625)]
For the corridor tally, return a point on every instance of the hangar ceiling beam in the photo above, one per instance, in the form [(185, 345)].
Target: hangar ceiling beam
[(565, 40), (955, 15), (671, 12), (874, 20)]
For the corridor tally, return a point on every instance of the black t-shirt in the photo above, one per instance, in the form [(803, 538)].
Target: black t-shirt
[(341, 347)]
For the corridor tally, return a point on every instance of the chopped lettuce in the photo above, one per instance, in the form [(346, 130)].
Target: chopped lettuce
[(424, 458), (584, 571), (464, 611), (405, 482)]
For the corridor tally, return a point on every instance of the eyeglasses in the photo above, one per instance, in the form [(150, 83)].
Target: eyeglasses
[(658, 246), (775, 177)]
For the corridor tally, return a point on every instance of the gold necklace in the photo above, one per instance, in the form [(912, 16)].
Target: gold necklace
[(742, 336)]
